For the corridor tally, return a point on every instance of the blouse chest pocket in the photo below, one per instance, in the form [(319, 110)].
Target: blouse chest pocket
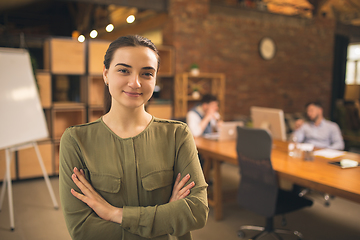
[(157, 179), (105, 183)]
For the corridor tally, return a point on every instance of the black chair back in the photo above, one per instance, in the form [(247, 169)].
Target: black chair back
[(258, 187)]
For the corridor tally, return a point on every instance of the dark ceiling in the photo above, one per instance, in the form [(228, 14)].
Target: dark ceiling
[(61, 17), (38, 18), (44, 18)]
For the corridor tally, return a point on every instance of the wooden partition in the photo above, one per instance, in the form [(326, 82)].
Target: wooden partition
[(3, 165), (28, 163), (56, 147), (96, 53), (166, 54), (95, 113), (44, 84), (66, 115), (64, 56), (96, 87), (160, 110)]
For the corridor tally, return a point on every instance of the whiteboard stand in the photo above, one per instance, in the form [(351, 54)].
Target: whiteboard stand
[(7, 179)]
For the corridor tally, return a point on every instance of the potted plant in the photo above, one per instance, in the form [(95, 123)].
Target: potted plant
[(194, 69), (196, 94)]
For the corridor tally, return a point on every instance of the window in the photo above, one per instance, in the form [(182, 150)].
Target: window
[(353, 65)]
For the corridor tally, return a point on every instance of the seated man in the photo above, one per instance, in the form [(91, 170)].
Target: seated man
[(319, 131), (204, 118)]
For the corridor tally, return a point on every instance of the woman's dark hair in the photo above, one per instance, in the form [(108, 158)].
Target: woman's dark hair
[(125, 41)]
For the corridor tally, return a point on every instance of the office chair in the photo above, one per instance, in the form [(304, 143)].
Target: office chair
[(303, 191), (258, 189)]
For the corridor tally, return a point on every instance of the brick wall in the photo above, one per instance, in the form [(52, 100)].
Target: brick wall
[(226, 39)]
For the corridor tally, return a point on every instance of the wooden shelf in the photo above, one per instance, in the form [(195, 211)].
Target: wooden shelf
[(67, 88), (65, 115), (56, 148), (94, 113), (28, 163), (68, 105), (96, 53), (64, 56), (44, 83), (206, 83), (3, 165), (164, 111), (167, 62), (96, 87)]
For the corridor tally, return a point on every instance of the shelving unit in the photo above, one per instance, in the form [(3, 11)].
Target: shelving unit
[(65, 115), (3, 165), (28, 163), (205, 83), (96, 87), (64, 56), (167, 61), (45, 86)]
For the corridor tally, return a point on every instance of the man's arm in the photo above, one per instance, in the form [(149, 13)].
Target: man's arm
[(193, 120), (336, 140), (299, 134)]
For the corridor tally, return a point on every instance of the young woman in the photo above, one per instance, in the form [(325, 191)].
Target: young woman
[(129, 175)]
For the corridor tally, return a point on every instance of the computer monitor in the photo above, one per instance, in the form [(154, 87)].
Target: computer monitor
[(270, 119)]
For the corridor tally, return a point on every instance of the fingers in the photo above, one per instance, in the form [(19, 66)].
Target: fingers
[(78, 195), (186, 190), (80, 175), (177, 180), (179, 191), (80, 181)]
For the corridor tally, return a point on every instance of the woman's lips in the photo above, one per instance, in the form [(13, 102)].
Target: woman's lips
[(133, 94)]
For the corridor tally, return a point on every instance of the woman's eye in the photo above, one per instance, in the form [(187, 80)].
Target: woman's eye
[(123, 71), (149, 74)]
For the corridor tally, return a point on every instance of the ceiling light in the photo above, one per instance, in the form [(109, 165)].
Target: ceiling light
[(130, 19), (109, 27), (81, 38), (93, 33), (75, 34)]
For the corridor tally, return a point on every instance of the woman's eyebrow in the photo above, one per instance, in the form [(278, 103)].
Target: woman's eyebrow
[(123, 64), (151, 68), (128, 66)]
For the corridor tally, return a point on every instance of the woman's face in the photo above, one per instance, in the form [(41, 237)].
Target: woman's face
[(131, 76)]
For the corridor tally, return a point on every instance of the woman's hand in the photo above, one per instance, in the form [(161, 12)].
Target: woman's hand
[(89, 196), (179, 191)]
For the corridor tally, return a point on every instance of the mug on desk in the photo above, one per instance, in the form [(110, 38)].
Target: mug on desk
[(308, 150)]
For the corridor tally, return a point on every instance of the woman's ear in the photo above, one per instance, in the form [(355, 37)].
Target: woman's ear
[(105, 77)]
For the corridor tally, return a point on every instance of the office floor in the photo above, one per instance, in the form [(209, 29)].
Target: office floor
[(36, 219)]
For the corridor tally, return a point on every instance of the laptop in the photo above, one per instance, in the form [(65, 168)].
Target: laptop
[(227, 131)]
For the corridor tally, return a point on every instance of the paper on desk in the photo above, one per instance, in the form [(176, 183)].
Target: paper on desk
[(329, 153), (346, 163)]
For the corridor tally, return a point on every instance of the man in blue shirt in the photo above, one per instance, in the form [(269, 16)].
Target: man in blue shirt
[(205, 117), (319, 131)]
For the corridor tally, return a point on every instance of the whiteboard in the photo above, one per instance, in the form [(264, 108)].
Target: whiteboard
[(22, 118)]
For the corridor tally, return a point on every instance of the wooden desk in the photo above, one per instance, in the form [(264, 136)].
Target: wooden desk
[(316, 174)]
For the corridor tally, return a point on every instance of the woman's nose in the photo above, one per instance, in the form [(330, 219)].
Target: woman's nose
[(134, 82)]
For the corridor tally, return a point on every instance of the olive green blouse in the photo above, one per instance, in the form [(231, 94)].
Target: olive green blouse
[(136, 174)]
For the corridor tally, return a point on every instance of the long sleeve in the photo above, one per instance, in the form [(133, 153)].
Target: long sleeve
[(336, 141), (179, 217), (193, 120), (136, 174), (299, 134), (82, 222)]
